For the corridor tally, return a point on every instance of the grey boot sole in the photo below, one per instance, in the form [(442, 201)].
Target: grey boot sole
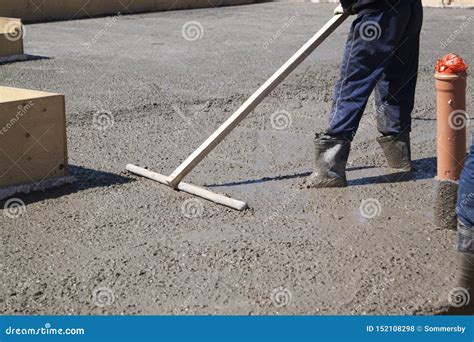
[(314, 182)]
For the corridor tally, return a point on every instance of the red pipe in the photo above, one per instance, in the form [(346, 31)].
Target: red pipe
[(452, 120)]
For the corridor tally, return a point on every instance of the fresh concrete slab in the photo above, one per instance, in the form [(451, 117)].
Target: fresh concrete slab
[(139, 90)]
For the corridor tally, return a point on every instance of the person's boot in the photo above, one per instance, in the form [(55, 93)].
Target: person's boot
[(331, 155), (397, 151), (462, 296)]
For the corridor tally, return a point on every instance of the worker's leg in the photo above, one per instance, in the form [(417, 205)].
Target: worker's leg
[(465, 246), (395, 91), (373, 39), (465, 206), (395, 94)]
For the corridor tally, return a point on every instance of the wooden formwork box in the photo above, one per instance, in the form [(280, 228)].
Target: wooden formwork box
[(32, 137), (11, 37)]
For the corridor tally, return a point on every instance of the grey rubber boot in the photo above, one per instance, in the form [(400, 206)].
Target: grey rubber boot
[(397, 151), (331, 155), (462, 296)]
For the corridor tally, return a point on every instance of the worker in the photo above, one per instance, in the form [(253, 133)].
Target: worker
[(464, 288), (381, 54)]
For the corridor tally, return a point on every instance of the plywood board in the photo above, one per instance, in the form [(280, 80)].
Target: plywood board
[(11, 37), (32, 136)]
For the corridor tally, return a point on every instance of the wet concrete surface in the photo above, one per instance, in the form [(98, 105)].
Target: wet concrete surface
[(138, 92)]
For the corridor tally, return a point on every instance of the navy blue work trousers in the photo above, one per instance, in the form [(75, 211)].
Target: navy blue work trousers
[(465, 206), (381, 54)]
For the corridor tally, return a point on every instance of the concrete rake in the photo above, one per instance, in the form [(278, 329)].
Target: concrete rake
[(175, 179)]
